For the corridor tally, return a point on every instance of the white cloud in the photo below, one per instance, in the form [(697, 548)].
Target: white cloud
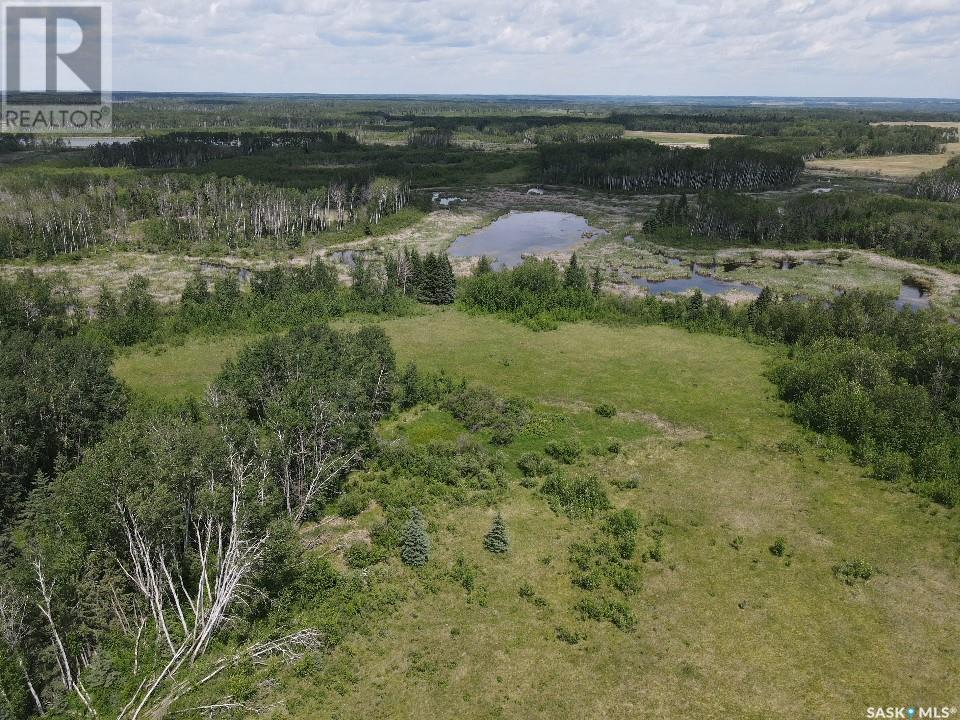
[(709, 47)]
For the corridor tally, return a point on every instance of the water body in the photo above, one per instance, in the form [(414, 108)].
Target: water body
[(706, 284), (518, 234), (912, 297)]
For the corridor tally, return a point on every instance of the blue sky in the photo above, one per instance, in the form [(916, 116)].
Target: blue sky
[(908, 48)]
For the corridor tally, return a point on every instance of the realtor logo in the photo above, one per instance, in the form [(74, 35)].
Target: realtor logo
[(57, 68)]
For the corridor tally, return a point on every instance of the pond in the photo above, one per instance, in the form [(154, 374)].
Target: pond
[(706, 284), (518, 234), (913, 297)]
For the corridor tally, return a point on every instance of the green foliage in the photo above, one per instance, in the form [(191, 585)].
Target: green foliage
[(133, 316), (496, 541), (779, 547), (603, 609), (853, 571), (605, 410), (479, 408), (415, 543), (360, 555), (564, 451), (533, 464), (579, 497)]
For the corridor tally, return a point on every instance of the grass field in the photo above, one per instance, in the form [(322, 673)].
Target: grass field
[(722, 631)]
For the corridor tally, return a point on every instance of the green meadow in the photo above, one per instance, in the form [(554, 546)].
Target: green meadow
[(728, 623)]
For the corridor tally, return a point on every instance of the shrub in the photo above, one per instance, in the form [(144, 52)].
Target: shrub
[(351, 504), (575, 497), (615, 447), (850, 571), (605, 410), (779, 547), (533, 464), (891, 466), (564, 451), (568, 636), (604, 609), (360, 555), (496, 541)]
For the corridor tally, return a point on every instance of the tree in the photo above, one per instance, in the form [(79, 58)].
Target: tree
[(575, 276), (497, 541), (415, 544), (597, 284), (483, 266), (439, 284)]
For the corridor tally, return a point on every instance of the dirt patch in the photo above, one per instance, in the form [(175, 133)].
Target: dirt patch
[(669, 429)]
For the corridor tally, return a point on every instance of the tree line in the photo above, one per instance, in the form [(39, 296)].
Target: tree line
[(192, 149), (904, 227), (185, 212), (641, 165)]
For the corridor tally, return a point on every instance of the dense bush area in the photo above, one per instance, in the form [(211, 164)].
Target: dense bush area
[(942, 184)]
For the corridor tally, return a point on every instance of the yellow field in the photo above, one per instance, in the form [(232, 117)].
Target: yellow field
[(675, 139), (895, 166)]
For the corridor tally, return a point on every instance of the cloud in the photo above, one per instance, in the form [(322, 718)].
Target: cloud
[(709, 47)]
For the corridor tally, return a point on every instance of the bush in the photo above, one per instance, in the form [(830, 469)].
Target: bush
[(604, 609), (575, 497), (564, 451), (605, 410), (891, 466), (533, 464), (360, 555), (850, 571), (779, 547), (351, 504), (568, 636)]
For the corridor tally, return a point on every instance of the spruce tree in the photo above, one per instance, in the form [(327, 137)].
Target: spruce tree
[(415, 544), (597, 284), (483, 266), (575, 276), (496, 541)]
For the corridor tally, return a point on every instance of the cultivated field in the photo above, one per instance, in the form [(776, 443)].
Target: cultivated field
[(895, 166), (675, 139)]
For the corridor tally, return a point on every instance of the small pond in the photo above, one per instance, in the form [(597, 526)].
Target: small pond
[(518, 234), (707, 285), (913, 297)]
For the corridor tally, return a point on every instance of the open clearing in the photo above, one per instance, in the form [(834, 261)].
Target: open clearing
[(722, 632), (676, 139), (895, 166)]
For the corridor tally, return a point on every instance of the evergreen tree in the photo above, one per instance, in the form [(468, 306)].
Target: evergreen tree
[(497, 541), (483, 267), (439, 283), (597, 284), (575, 276), (415, 544), (417, 275)]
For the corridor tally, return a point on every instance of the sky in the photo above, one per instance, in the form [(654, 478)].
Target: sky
[(860, 48)]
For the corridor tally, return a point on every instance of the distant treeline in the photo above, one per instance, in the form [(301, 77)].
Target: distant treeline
[(191, 149), (904, 227), (185, 212), (641, 165)]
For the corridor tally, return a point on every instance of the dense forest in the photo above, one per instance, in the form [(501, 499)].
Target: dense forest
[(904, 227), (943, 184), (641, 165)]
